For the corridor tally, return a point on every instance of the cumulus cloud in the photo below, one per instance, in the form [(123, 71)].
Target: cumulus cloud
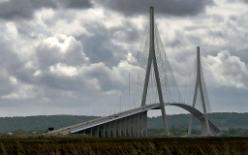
[(60, 48), (62, 64), (227, 70)]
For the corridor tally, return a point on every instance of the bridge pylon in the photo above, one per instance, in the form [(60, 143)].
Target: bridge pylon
[(152, 60), (199, 88)]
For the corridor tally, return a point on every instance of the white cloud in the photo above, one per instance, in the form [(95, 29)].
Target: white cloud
[(226, 70), (60, 48), (63, 70)]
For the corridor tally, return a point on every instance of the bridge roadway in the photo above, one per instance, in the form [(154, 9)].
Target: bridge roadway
[(125, 123), (103, 120)]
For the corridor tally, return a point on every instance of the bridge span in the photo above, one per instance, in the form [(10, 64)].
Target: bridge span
[(131, 123)]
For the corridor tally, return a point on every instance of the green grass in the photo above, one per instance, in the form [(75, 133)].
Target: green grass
[(92, 146)]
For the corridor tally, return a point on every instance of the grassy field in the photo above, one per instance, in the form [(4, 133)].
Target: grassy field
[(92, 146)]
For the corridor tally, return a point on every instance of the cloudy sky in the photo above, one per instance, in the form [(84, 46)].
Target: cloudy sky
[(78, 56)]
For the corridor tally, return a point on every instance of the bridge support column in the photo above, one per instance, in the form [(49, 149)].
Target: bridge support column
[(145, 121), (116, 129), (91, 132), (144, 126), (131, 126), (97, 131), (137, 125), (103, 131), (140, 124), (107, 130), (122, 127), (112, 130), (126, 127), (134, 123), (117, 124)]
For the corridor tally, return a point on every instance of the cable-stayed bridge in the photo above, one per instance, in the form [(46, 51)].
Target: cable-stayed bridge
[(159, 80)]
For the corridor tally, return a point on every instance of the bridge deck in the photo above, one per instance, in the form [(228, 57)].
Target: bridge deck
[(102, 120)]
